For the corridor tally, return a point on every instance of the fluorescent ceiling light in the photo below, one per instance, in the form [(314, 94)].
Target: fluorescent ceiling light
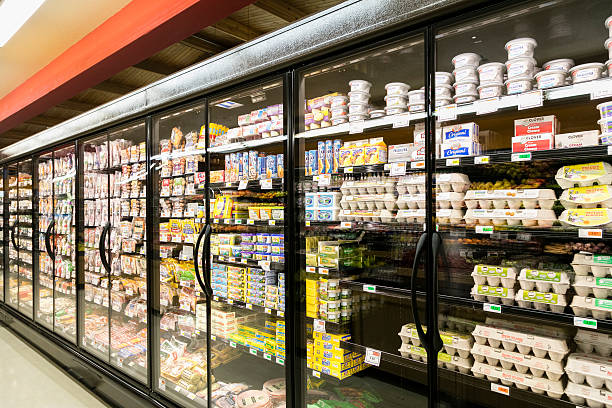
[(13, 15)]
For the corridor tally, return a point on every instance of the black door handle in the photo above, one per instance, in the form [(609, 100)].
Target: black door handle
[(13, 236), (196, 260), (205, 255), (436, 245), (102, 247), (50, 252), (413, 292)]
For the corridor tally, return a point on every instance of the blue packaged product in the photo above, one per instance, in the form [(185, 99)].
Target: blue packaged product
[(321, 157), (310, 214), (261, 167), (329, 153), (253, 164), (312, 161), (271, 170), (240, 164), (280, 165), (245, 166), (228, 166), (336, 155), (307, 163)]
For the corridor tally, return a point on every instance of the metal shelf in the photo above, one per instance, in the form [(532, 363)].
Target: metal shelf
[(275, 266), (259, 223), (249, 306), (234, 147)]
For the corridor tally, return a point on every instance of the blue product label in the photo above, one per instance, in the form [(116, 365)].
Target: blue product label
[(310, 215), (325, 200), (456, 134), (462, 151)]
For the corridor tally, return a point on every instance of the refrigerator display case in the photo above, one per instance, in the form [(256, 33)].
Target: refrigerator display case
[(3, 231)]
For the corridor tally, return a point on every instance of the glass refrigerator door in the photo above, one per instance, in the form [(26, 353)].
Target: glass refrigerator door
[(178, 164), (3, 231), (523, 210), (247, 247), (45, 253), (361, 212), (13, 261), (24, 237)]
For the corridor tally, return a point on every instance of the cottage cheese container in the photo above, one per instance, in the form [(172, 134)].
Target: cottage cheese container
[(466, 73), (359, 97), (490, 90), (518, 85), (360, 85), (564, 63), (396, 101), (471, 97), (416, 97), (444, 78), (491, 72), (518, 67), (466, 59), (444, 91), (586, 72), (550, 78), (397, 88), (465, 88), (605, 109), (520, 47)]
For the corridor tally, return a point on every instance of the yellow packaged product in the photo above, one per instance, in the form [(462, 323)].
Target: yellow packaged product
[(346, 154), (358, 153), (376, 151), (189, 231)]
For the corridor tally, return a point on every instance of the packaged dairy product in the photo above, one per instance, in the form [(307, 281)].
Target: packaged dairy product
[(534, 133), (584, 175), (520, 47), (589, 306), (564, 63), (512, 198), (586, 72), (587, 217), (466, 131), (465, 73), (521, 67), (527, 217), (492, 72), (538, 385), (518, 85), (577, 139), (358, 97), (550, 78), (587, 197), (595, 370), (494, 275), (417, 96), (376, 151), (590, 285), (345, 155), (593, 397), (460, 148), (358, 85), (466, 59), (466, 98), (490, 90), (400, 152), (397, 88), (444, 78), (544, 280), (493, 294), (599, 265)]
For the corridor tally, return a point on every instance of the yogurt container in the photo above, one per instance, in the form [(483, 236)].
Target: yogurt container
[(544, 280), (586, 72), (518, 85), (590, 285), (444, 91), (564, 63), (379, 113), (397, 88), (606, 125), (583, 175), (550, 78), (339, 120), (520, 67), (491, 72), (493, 275), (608, 45), (444, 78), (467, 98), (605, 109), (466, 59), (443, 102), (507, 377), (358, 97), (589, 306), (493, 294), (490, 90), (396, 101), (394, 110), (357, 116), (520, 47), (339, 111), (465, 87), (466, 73), (416, 96), (339, 100), (541, 300), (416, 107), (587, 197), (360, 85), (599, 265), (596, 371), (583, 394)]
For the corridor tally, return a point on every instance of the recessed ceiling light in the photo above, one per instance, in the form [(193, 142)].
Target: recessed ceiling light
[(13, 15)]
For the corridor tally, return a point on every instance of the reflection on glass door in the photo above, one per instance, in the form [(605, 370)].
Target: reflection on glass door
[(24, 237), (44, 252), (13, 199), (3, 230)]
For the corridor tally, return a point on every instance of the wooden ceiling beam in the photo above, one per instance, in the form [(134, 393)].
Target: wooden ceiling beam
[(236, 29), (113, 87), (281, 9), (199, 43), (156, 67)]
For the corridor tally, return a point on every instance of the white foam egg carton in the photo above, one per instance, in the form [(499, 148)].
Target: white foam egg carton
[(493, 294), (600, 265), (355, 187), (454, 343), (493, 275), (553, 302), (587, 197), (411, 184), (544, 280), (538, 367), (589, 341), (593, 397), (463, 365), (539, 385), (587, 217), (456, 182), (411, 201), (500, 199), (527, 218), (449, 216), (595, 370), (557, 332), (410, 216), (590, 285), (369, 202), (526, 343), (584, 175), (449, 200), (584, 306), (459, 324), (367, 215)]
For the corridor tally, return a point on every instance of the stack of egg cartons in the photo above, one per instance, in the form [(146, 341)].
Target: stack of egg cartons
[(524, 347), (550, 289), (371, 198), (450, 197), (359, 98), (590, 370), (491, 79), (466, 78), (411, 189), (521, 66), (397, 98), (494, 284), (592, 279)]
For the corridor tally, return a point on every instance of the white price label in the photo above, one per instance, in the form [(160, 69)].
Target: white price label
[(356, 126), (215, 221), (162, 384), (319, 325), (324, 180), (489, 105), (324, 271), (271, 222), (265, 265), (227, 221), (250, 222), (348, 170), (253, 351), (585, 322), (369, 288), (249, 306), (280, 313), (484, 229), (372, 356), (266, 184), (232, 259), (268, 356), (280, 361), (177, 388), (417, 164), (237, 222), (609, 150), (213, 337), (216, 298), (500, 389), (590, 233), (397, 169), (482, 160), (490, 307), (243, 184), (316, 373), (191, 396), (531, 99), (346, 224), (230, 301), (518, 157), (603, 89), (228, 184), (448, 112), (453, 162), (232, 344), (268, 310), (311, 269), (401, 120)]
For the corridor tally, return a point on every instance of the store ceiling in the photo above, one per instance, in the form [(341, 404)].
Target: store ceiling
[(250, 22)]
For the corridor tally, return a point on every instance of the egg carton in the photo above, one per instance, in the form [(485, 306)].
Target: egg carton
[(589, 341), (455, 182), (526, 343), (454, 343), (587, 197), (527, 327), (450, 200), (411, 184), (527, 218), (367, 215), (544, 280), (584, 175), (509, 360), (448, 216), (600, 265), (513, 199), (411, 201), (494, 275), (463, 365), (459, 324), (410, 216), (539, 385), (541, 300), (368, 202), (367, 187), (589, 306), (493, 294), (590, 285), (587, 217), (595, 370), (593, 397)]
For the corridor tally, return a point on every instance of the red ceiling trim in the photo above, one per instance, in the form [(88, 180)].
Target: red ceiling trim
[(136, 32)]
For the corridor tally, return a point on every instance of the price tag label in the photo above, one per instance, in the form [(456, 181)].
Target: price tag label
[(401, 120), (448, 112), (372, 356), (230, 301), (232, 344), (253, 351), (243, 184), (222, 258), (119, 362), (369, 288), (265, 265), (453, 162), (519, 157), (307, 223), (316, 373), (191, 396), (609, 150), (271, 222), (268, 310), (177, 388), (603, 89), (397, 169), (500, 389), (586, 323), (490, 307), (324, 271), (266, 184), (348, 170), (531, 99), (481, 160), (216, 298), (319, 325), (249, 306), (417, 164), (311, 269), (346, 224), (484, 229), (280, 313), (227, 221), (489, 105), (356, 126), (228, 184), (232, 259), (244, 260), (213, 337), (251, 222), (237, 222), (216, 221), (280, 361), (324, 180), (162, 384), (590, 233), (268, 356)]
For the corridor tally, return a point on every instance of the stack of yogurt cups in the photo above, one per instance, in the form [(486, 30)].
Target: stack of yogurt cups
[(444, 88), (605, 122), (339, 110), (359, 98), (608, 45), (521, 66), (416, 100), (466, 77), (397, 98)]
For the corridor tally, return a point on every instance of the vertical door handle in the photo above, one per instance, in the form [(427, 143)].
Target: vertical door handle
[(196, 260), (13, 236), (102, 247), (436, 249), (205, 261), (413, 293), (50, 252)]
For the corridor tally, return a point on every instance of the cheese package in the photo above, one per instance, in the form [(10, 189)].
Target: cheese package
[(533, 134), (460, 131), (460, 148), (400, 152), (577, 139), (532, 143)]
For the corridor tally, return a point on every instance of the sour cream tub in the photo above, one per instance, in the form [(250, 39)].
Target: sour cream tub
[(359, 97), (491, 72), (394, 111), (465, 88), (608, 45), (339, 111), (416, 96), (564, 63), (444, 78), (466, 73), (608, 24), (443, 102), (520, 47), (586, 72), (523, 66), (360, 85), (357, 116), (358, 108), (339, 100), (444, 91), (550, 78), (395, 101), (466, 59), (605, 109), (606, 125), (397, 88), (416, 107), (518, 85), (491, 90), (609, 67), (339, 120), (379, 113), (470, 97)]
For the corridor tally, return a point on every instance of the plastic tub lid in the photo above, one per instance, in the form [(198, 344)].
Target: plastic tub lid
[(608, 43), (513, 60), (559, 60), (416, 91), (524, 39), (444, 86), (491, 64), (474, 67), (396, 84), (554, 71), (608, 21), (520, 78), (465, 81), (586, 66), (356, 81)]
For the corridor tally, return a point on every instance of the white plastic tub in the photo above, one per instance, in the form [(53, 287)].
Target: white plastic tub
[(491, 72), (339, 111), (608, 45), (443, 102), (416, 96), (339, 120), (445, 78), (357, 116), (563, 63), (609, 67), (358, 108), (518, 85), (465, 88), (520, 47), (519, 67), (359, 97), (397, 88), (394, 110), (550, 78), (490, 90), (466, 98), (360, 85), (379, 113), (466, 73), (416, 107), (444, 91), (586, 72), (608, 24), (339, 100), (396, 101), (466, 59)]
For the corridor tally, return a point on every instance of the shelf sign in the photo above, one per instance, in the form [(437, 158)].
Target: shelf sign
[(228, 184), (356, 126), (307, 223), (280, 361), (324, 271), (609, 150), (253, 351), (482, 160), (243, 184), (603, 89), (453, 162), (249, 306), (586, 323), (590, 233), (268, 356), (372, 356), (531, 99), (448, 112), (489, 105), (280, 313), (397, 169), (311, 269), (316, 373), (369, 288), (346, 224), (401, 120), (417, 164), (232, 344), (266, 184), (250, 222), (484, 229), (518, 157), (268, 310), (319, 325), (500, 389), (265, 265), (348, 170), (490, 307), (162, 384), (324, 180)]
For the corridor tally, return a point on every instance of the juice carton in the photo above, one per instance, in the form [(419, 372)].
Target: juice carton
[(376, 151), (307, 163), (253, 165), (271, 170), (245, 166), (358, 152), (280, 165), (312, 160)]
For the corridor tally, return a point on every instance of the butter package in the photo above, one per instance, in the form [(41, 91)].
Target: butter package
[(459, 148), (340, 249), (577, 139), (328, 200), (401, 152), (460, 131), (375, 151), (327, 214)]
